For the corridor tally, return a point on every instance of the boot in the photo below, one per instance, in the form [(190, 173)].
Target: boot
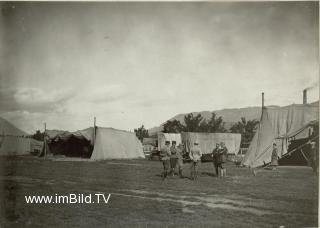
[(164, 175), (180, 173)]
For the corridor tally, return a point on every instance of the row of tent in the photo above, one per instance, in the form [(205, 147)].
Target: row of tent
[(95, 143), (280, 125)]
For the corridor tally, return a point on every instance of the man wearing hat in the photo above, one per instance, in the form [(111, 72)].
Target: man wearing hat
[(180, 159), (165, 158), (314, 156), (173, 157), (274, 156), (195, 156), (215, 156)]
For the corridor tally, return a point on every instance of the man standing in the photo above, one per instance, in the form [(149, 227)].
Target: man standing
[(223, 158), (314, 157), (195, 156), (180, 159), (215, 156), (173, 157), (274, 156), (165, 158)]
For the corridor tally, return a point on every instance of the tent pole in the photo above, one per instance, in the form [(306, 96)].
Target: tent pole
[(44, 140), (94, 130)]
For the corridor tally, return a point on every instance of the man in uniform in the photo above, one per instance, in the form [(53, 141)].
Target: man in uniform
[(274, 156), (223, 158), (180, 159), (173, 157), (195, 156), (215, 156), (165, 158)]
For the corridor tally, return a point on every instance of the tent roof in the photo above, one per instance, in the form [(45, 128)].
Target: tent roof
[(7, 128), (65, 135)]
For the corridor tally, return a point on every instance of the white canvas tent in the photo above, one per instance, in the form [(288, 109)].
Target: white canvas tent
[(14, 142), (163, 137), (207, 141), (116, 144), (15, 145), (109, 143), (277, 124)]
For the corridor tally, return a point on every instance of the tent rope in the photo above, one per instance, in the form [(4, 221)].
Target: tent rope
[(305, 157)]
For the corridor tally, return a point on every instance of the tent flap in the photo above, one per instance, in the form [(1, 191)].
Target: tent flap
[(277, 124)]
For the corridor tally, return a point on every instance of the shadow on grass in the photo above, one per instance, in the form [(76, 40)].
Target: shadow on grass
[(208, 174)]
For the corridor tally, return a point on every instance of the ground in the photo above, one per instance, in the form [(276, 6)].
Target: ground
[(286, 197)]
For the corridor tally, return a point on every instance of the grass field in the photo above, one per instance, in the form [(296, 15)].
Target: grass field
[(287, 196)]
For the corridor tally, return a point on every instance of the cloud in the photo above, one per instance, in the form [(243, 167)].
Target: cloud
[(105, 94), (33, 99)]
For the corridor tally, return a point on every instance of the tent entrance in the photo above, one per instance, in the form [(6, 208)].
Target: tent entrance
[(72, 147), (296, 158)]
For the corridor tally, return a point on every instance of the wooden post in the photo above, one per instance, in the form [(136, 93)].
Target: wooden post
[(262, 99), (94, 130), (44, 139)]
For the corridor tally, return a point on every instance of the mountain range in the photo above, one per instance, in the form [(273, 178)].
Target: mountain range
[(230, 116)]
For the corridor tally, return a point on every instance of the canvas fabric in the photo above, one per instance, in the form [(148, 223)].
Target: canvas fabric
[(163, 137), (116, 144), (14, 145), (277, 125), (208, 141)]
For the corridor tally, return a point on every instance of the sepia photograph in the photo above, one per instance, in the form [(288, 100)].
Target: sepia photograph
[(159, 114)]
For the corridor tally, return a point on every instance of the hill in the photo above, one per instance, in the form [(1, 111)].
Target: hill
[(230, 116), (7, 128)]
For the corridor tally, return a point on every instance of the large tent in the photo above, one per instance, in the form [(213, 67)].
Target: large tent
[(278, 125), (13, 141), (207, 141), (17, 145), (171, 137), (104, 143)]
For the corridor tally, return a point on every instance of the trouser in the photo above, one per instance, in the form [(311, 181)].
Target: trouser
[(166, 165), (180, 165), (173, 164), (217, 165), (194, 169)]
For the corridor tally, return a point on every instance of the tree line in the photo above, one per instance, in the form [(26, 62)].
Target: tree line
[(197, 123)]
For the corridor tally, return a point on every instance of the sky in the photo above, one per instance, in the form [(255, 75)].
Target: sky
[(130, 64)]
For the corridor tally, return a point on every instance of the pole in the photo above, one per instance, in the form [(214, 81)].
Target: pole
[(44, 140), (262, 99), (94, 130)]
